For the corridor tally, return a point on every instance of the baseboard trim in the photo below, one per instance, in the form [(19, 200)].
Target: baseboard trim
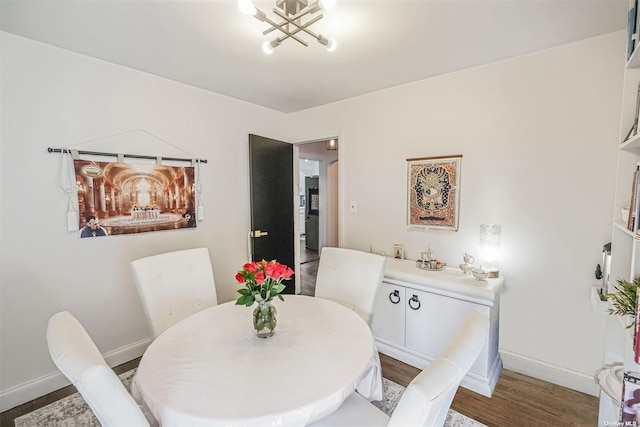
[(473, 381), (30, 390), (575, 380)]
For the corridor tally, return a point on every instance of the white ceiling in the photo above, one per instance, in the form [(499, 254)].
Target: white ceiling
[(381, 43)]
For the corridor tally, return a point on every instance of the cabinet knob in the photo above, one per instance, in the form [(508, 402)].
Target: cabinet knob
[(394, 297), (414, 303)]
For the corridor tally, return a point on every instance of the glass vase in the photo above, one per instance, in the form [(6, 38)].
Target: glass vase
[(264, 319)]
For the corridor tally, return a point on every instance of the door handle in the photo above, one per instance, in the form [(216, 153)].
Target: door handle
[(414, 299), (394, 297), (259, 233)]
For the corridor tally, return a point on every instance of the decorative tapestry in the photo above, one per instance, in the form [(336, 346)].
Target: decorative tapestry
[(433, 192), (124, 198)]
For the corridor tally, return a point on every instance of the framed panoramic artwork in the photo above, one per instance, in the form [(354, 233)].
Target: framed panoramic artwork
[(433, 192)]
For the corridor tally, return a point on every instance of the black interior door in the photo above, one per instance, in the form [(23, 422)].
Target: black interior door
[(272, 204)]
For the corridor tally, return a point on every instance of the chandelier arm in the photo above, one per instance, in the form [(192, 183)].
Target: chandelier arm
[(287, 32), (268, 30), (282, 38), (286, 36), (302, 27), (262, 17), (297, 30), (275, 27)]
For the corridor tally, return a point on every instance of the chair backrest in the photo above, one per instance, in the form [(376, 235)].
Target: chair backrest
[(78, 358), (428, 397), (350, 278), (173, 286)]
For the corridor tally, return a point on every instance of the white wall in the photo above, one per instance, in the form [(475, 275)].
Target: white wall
[(538, 135), (55, 98)]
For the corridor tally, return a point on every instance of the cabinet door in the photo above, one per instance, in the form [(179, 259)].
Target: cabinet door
[(433, 320), (389, 313)]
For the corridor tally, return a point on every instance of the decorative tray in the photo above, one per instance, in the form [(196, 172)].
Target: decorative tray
[(610, 381), (427, 268)]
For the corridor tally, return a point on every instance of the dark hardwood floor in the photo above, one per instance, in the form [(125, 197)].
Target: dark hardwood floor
[(518, 400), (309, 261)]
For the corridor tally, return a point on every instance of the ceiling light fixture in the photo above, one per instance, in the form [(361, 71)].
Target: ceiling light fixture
[(292, 11), (332, 144)]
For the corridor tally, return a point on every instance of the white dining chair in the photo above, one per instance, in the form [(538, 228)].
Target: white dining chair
[(77, 357), (427, 399), (173, 286), (350, 278)]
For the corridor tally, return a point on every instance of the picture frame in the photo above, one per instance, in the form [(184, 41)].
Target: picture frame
[(433, 192), (630, 400), (398, 251), (313, 199)]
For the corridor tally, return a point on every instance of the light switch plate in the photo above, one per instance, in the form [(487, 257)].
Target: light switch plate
[(353, 206)]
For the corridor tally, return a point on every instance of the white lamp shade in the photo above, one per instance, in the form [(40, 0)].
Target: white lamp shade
[(489, 250)]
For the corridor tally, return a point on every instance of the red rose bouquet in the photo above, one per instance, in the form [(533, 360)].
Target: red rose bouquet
[(262, 280)]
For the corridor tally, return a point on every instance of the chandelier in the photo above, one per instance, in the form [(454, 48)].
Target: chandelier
[(292, 12)]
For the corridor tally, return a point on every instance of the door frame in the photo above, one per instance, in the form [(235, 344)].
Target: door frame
[(296, 179)]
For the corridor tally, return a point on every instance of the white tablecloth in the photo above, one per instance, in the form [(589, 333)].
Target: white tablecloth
[(211, 369)]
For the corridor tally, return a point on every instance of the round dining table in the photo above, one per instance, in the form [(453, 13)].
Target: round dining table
[(211, 369)]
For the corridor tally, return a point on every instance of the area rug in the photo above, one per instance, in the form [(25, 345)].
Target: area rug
[(72, 411), (392, 393)]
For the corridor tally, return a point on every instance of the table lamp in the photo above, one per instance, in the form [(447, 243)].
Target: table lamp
[(489, 251)]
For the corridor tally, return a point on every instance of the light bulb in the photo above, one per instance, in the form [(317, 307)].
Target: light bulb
[(329, 43), (247, 7), (327, 4), (268, 47)]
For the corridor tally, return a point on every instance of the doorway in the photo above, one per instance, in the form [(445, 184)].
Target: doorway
[(318, 210), (309, 214)]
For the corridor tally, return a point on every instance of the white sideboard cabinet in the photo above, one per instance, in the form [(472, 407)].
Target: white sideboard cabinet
[(418, 312)]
